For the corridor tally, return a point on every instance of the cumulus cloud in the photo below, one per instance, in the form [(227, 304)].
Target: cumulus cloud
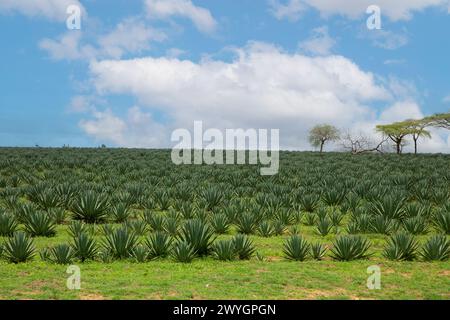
[(263, 87), (51, 9), (386, 39), (165, 9), (320, 43), (394, 10)]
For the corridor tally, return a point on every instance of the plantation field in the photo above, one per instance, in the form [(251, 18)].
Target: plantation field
[(139, 227)]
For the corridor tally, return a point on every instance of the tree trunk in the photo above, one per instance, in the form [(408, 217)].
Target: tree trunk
[(399, 149), (321, 146), (415, 145)]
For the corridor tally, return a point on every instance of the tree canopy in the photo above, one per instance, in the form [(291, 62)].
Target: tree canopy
[(321, 134)]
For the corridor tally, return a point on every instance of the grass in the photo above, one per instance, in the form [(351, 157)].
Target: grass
[(273, 278)]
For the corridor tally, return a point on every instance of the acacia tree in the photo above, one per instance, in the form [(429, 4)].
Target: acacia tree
[(321, 134), (417, 129), (397, 132), (441, 120)]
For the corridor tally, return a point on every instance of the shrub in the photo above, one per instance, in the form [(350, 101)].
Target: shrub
[(19, 248), (199, 235), (244, 246), (350, 247), (8, 224), (90, 208), (183, 252), (158, 244), (401, 247), (224, 250), (296, 248), (40, 223), (84, 247), (437, 248), (120, 243)]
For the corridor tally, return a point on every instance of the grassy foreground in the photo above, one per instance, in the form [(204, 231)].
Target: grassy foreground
[(272, 278)]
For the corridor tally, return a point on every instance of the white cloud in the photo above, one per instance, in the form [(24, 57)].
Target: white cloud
[(130, 36), (51, 9), (394, 10), (446, 99), (165, 9), (386, 39), (262, 88), (137, 130), (320, 43), (291, 10)]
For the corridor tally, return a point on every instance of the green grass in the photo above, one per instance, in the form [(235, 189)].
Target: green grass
[(273, 278)]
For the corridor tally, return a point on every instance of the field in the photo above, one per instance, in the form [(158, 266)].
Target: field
[(139, 227)]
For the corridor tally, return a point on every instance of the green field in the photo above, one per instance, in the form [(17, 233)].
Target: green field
[(411, 194)]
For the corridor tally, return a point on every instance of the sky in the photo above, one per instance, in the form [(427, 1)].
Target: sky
[(136, 70)]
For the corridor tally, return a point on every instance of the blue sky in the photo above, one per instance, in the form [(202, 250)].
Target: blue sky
[(139, 69)]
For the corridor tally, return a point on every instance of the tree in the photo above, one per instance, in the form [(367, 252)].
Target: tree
[(321, 134), (417, 129), (397, 132), (360, 143), (440, 120)]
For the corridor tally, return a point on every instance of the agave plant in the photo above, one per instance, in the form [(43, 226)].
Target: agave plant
[(220, 223), (172, 226), (19, 248), (416, 225), (279, 228), (156, 222), (39, 224), (401, 247), (309, 202), (8, 224), (296, 248), (265, 229), (120, 243), (442, 220), (84, 247), (199, 235), (318, 251), (61, 254), (158, 244), (78, 227), (139, 227), (310, 218), (383, 225), (91, 208), (437, 248), (350, 247), (390, 207), (140, 253), (58, 215), (334, 197), (324, 227), (120, 212), (183, 252), (246, 223), (224, 250), (211, 197), (243, 246), (336, 217)]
